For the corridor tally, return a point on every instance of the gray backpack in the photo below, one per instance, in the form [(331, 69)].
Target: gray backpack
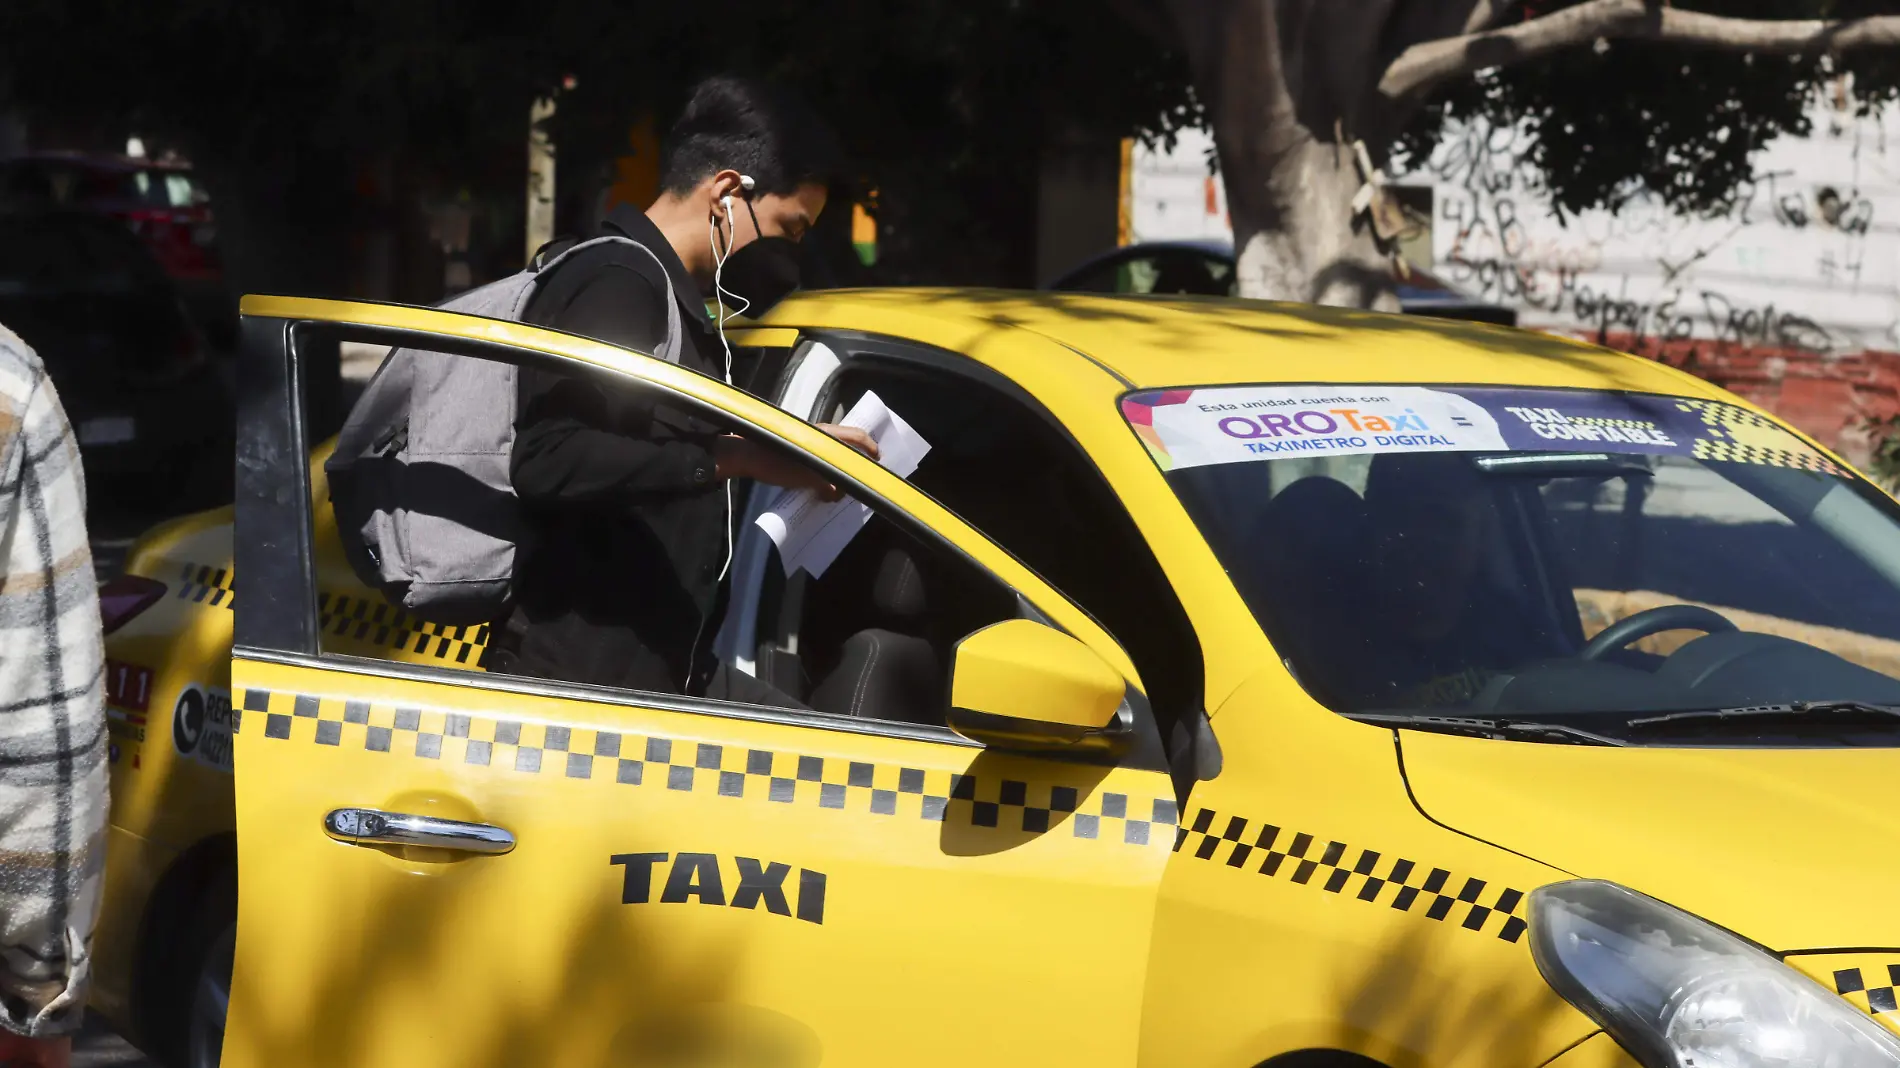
[(419, 479)]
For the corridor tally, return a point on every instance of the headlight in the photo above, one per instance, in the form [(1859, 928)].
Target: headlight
[(1679, 992)]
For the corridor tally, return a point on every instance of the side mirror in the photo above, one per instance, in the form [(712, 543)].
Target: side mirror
[(1023, 685)]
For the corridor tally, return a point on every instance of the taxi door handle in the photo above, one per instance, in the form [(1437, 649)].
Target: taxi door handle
[(369, 826)]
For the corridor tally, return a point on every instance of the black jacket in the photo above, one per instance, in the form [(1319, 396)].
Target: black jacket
[(617, 582)]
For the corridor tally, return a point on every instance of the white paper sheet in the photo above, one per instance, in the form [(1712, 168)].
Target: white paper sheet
[(810, 533)]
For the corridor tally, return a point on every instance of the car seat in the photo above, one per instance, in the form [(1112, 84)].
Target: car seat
[(887, 671), (1310, 575)]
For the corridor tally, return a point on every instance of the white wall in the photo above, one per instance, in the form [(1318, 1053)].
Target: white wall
[(1770, 271), (1172, 191)]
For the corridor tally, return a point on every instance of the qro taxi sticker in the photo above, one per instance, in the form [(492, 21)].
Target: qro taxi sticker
[(201, 726)]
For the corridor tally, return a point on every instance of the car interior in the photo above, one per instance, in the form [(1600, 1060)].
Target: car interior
[(873, 636), (1329, 568)]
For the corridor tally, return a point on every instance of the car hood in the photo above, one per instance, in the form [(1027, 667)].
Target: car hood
[(1794, 848)]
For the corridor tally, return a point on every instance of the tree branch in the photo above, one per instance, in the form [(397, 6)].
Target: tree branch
[(1429, 64)]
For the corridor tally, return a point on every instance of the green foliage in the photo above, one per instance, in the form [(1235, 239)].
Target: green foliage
[(1884, 464), (251, 78), (945, 105), (1636, 117)]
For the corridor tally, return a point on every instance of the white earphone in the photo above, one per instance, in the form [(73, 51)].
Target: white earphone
[(724, 299), (720, 257), (746, 183)]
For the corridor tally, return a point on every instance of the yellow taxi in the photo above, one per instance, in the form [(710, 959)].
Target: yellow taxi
[(1231, 684)]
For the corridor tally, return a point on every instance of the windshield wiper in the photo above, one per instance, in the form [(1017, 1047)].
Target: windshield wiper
[(1794, 712), (1489, 728)]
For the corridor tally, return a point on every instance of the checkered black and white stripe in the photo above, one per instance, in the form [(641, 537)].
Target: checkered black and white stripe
[(1353, 872), (358, 618), (376, 622), (1720, 444), (204, 584), (1874, 993), (771, 777)]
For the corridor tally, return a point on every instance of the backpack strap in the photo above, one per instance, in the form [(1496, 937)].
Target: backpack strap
[(669, 348), (550, 250)]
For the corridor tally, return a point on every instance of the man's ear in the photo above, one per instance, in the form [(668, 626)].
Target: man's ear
[(725, 183)]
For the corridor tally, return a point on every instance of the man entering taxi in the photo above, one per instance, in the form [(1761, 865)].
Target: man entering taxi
[(620, 581)]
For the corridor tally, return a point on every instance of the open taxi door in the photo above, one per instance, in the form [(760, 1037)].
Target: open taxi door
[(442, 866)]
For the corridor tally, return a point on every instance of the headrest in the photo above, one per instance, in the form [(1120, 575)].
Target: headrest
[(1314, 511), (1312, 529), (898, 590)]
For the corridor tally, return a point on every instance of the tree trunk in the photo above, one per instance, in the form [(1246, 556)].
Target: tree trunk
[(1303, 244), (1281, 79)]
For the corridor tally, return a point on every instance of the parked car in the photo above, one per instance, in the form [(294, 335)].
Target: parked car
[(1230, 685), (162, 202), (152, 413), (1206, 268)]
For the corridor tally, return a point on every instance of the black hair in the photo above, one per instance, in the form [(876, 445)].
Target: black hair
[(753, 129)]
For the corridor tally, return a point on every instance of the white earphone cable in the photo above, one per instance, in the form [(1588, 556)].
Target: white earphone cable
[(719, 297), (722, 297)]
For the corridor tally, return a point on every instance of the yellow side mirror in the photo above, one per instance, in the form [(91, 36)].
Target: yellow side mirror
[(1019, 684)]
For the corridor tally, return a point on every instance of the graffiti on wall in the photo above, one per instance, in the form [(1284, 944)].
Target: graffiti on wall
[(1645, 271)]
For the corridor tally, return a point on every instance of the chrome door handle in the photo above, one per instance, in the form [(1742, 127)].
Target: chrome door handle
[(368, 826)]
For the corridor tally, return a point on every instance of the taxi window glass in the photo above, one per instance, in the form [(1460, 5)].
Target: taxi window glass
[(1589, 560), (1005, 469), (871, 637)]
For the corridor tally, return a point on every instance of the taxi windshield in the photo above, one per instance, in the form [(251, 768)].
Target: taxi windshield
[(1598, 563)]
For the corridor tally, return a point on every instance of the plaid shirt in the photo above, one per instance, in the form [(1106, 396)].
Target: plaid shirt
[(52, 711)]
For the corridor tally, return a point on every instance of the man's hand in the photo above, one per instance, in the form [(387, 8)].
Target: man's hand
[(853, 437), (737, 457)]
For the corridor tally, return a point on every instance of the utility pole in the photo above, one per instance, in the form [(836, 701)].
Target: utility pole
[(540, 175)]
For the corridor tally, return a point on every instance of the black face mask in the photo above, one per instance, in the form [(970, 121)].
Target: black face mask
[(761, 274)]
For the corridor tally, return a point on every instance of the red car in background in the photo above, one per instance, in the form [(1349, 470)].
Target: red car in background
[(159, 201)]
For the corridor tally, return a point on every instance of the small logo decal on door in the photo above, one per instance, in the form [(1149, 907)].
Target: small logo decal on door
[(202, 723), (703, 878)]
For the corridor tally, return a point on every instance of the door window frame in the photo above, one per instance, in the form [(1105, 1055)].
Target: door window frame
[(274, 527), (852, 350), (737, 639), (839, 352), (845, 350)]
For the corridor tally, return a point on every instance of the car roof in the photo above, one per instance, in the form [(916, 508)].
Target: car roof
[(1211, 246), (1156, 342), (99, 161), (1418, 287)]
